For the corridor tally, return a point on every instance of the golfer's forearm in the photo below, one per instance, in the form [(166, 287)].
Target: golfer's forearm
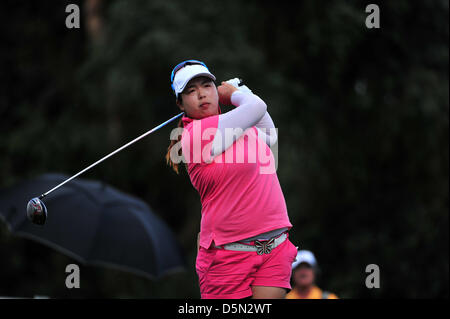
[(249, 111), (266, 129), (251, 106), (265, 122)]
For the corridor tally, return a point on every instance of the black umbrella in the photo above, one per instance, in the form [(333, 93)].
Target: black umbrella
[(95, 224)]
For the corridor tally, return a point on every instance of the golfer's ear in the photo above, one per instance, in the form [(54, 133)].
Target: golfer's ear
[(179, 104)]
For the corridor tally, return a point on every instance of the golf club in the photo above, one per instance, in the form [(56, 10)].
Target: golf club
[(36, 210)]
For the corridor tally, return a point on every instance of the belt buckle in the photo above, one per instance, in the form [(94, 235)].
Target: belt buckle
[(264, 247)]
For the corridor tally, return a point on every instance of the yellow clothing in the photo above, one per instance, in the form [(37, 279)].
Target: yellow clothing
[(314, 293)]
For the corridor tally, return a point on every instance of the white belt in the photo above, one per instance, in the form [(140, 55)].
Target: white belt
[(260, 246)]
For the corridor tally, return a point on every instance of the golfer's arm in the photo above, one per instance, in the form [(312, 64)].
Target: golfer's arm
[(266, 129), (250, 109)]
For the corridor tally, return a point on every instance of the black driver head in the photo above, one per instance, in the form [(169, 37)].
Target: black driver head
[(36, 211)]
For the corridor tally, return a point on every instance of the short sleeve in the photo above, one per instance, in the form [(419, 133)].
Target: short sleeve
[(197, 139)]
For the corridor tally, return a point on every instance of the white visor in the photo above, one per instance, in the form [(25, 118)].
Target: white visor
[(185, 74), (304, 256)]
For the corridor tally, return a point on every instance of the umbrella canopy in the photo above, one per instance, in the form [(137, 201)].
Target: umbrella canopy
[(95, 224)]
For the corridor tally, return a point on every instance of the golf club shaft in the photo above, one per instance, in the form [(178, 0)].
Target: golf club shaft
[(111, 154)]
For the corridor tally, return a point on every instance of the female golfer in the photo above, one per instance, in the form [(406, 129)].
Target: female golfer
[(244, 250)]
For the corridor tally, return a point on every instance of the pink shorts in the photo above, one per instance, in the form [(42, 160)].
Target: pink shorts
[(227, 274)]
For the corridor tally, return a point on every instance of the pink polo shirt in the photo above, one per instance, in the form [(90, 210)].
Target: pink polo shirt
[(239, 189)]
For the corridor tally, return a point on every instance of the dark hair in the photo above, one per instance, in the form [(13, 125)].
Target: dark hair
[(173, 142)]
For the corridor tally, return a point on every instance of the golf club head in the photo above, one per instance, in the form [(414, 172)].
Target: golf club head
[(36, 211)]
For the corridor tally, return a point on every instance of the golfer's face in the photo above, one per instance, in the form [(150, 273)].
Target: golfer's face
[(200, 98)]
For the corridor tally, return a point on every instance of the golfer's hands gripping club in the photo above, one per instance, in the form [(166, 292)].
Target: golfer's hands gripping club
[(225, 90), (239, 84)]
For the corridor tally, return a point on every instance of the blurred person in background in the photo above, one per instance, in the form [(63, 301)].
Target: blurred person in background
[(304, 271)]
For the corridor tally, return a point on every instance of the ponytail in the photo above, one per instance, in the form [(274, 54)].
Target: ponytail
[(172, 143)]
